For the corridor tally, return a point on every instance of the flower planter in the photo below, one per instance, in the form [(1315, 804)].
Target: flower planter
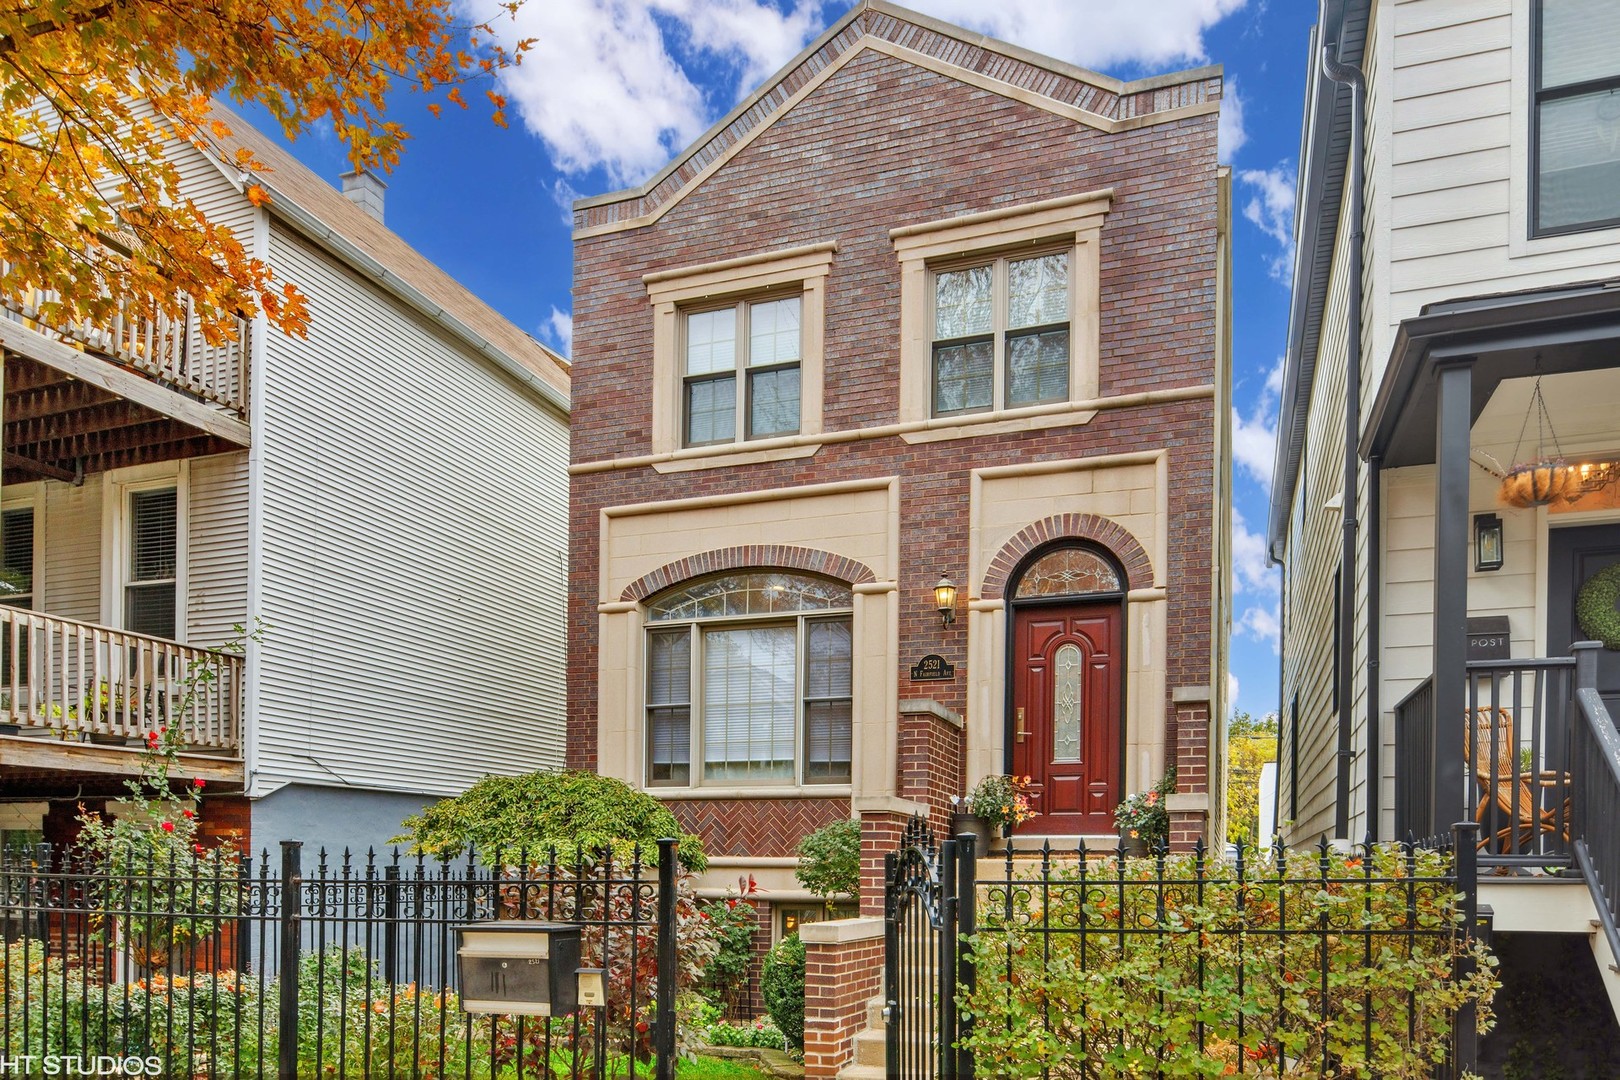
[(978, 826)]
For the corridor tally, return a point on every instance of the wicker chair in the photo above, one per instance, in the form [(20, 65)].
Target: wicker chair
[(1508, 794)]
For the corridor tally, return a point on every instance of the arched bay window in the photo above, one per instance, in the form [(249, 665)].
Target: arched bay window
[(761, 660)]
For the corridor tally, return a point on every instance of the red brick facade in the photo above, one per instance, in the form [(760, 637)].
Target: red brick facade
[(883, 143), (839, 979)]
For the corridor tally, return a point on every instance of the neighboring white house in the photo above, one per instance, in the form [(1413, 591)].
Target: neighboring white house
[(1488, 152), (386, 498)]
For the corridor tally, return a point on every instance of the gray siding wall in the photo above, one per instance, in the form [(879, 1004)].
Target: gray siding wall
[(217, 542), (411, 552)]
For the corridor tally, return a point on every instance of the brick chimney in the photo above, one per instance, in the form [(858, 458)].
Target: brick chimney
[(365, 189)]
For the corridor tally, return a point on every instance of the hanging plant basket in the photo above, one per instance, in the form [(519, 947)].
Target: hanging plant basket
[(1537, 484), (1544, 477)]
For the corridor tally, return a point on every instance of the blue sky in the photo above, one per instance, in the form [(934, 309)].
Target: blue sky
[(614, 88)]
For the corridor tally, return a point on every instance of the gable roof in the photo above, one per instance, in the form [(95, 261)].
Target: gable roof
[(1086, 97), (323, 214)]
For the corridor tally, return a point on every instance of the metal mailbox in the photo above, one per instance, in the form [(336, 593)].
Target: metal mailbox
[(518, 968)]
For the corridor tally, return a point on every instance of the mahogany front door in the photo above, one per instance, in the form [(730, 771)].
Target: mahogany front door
[(1067, 667)]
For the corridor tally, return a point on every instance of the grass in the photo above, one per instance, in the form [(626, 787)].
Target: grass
[(709, 1068)]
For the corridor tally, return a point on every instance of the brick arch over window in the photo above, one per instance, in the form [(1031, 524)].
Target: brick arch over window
[(750, 557), (1099, 530)]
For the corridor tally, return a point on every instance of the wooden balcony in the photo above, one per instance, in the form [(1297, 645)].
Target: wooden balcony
[(78, 682), (141, 387)]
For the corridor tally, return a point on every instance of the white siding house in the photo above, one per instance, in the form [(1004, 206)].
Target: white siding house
[(1487, 155), (385, 498)]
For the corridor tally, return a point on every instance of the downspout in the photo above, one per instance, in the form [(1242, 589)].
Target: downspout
[(1282, 684), (1349, 75), (1375, 607)]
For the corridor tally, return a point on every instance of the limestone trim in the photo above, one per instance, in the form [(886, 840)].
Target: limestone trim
[(1073, 221), (1041, 416), (838, 931), (1098, 530), (1098, 101), (930, 707), (800, 271), (749, 557)]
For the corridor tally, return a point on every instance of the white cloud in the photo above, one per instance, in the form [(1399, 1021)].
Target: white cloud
[(1231, 688), (1249, 559), (564, 195), (1271, 209), (558, 331), (623, 85), (1260, 624), (1230, 135), (1254, 437), (1096, 34), (605, 84)]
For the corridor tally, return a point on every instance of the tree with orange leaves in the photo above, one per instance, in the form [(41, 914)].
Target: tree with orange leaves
[(95, 93)]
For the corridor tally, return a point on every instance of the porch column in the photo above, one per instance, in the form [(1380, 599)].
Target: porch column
[(1453, 418)]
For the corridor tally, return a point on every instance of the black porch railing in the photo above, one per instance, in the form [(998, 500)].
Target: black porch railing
[(343, 968), (1515, 744), (1595, 768)]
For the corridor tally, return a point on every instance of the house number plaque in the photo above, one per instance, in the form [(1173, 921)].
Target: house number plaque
[(932, 668)]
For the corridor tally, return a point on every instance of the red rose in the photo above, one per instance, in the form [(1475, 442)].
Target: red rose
[(198, 848), (189, 813), (198, 782), (168, 826)]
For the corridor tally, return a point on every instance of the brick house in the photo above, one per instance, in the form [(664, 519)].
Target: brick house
[(925, 305)]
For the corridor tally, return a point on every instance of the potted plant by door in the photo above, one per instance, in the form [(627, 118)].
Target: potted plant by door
[(995, 806), (1143, 820)]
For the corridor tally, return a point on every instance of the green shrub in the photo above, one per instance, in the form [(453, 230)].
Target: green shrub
[(1164, 1000), (576, 813), (758, 1032), (830, 861), (783, 987), (733, 922)]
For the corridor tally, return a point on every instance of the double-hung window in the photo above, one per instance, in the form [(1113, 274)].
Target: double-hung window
[(1001, 334), (1576, 116), (742, 371), (748, 681), (150, 574), (16, 585)]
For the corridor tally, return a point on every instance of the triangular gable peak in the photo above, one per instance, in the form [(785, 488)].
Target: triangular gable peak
[(1086, 97)]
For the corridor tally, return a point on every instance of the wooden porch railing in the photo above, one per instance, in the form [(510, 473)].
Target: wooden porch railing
[(77, 678), (167, 350)]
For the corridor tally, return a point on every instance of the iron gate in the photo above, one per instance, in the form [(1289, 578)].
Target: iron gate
[(928, 896)]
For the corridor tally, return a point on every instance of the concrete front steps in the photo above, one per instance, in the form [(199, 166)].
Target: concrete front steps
[(870, 1041)]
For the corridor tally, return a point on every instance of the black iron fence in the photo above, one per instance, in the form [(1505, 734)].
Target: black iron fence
[(1089, 965), (326, 966)]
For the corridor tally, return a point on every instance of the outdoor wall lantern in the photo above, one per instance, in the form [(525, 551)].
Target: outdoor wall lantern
[(945, 600), (1487, 542)]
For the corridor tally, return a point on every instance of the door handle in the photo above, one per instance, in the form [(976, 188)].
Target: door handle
[(1020, 730)]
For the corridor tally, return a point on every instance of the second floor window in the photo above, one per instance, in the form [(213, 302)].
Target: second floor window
[(741, 372), (1001, 334), (1576, 116), (149, 590)]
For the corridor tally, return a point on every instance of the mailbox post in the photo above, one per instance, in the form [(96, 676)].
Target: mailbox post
[(519, 968)]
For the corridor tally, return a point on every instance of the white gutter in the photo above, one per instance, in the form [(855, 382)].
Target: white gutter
[(309, 225)]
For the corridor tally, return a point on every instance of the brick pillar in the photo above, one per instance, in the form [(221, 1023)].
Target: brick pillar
[(1190, 805), (843, 970), (880, 834), (930, 746)]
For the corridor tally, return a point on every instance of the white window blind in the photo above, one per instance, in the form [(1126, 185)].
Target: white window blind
[(749, 696)]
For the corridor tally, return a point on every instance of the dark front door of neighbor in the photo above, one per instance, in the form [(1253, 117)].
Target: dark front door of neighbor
[(1573, 556), (1067, 668)]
